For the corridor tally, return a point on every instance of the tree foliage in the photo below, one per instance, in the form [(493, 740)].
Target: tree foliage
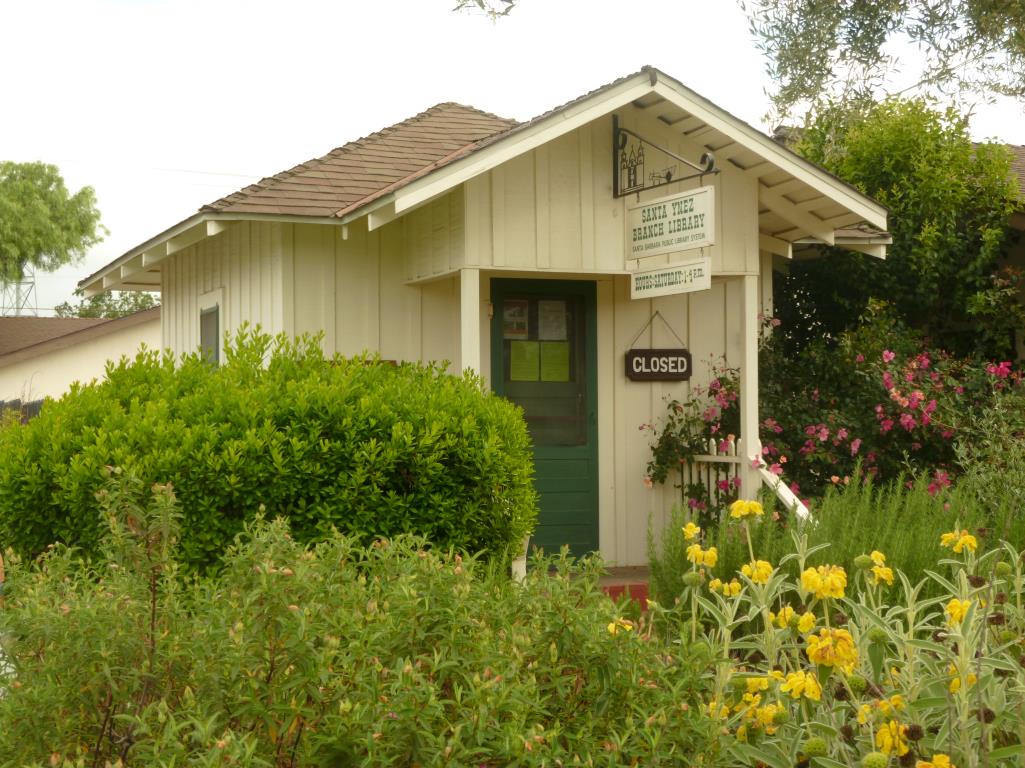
[(493, 9), (817, 47), (43, 225), (109, 304), (949, 202)]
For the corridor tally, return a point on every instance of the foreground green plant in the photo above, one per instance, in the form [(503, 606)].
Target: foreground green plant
[(842, 667), (335, 654)]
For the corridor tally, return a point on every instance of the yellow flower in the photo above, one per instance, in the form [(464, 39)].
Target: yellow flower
[(833, 648), (956, 610), (784, 616), (806, 623), (732, 589), (766, 717), (715, 585), (959, 541), (955, 678), (758, 571), (939, 760), (825, 581), (717, 711), (878, 558), (690, 531), (700, 556), (620, 624), (801, 682), (881, 573), (756, 684), (890, 739), (741, 508)]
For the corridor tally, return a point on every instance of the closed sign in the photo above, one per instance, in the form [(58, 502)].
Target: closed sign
[(658, 365)]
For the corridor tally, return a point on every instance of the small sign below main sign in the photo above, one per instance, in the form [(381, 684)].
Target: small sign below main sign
[(679, 222), (658, 364), (684, 277)]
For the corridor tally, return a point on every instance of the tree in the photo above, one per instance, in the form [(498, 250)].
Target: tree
[(492, 8), (845, 47), (111, 304), (949, 203), (42, 225)]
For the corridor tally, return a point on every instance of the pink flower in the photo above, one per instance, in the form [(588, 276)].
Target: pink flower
[(775, 322), (647, 481), (914, 399), (859, 358), (888, 356), (724, 445), (723, 485), (887, 380), (841, 434), (930, 407), (923, 361), (756, 463), (795, 488), (1001, 371), (947, 434), (908, 421), (710, 414), (776, 469), (855, 446), (886, 426)]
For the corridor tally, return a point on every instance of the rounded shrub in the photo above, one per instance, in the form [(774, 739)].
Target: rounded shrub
[(357, 445)]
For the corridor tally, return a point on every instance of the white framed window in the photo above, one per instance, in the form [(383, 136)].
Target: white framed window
[(210, 331)]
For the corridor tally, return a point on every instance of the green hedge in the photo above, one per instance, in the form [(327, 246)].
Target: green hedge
[(329, 655), (354, 444)]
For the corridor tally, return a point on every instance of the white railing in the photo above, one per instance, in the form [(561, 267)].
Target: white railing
[(721, 465)]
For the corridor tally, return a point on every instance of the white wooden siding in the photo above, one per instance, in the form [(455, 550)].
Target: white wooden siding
[(246, 262), (552, 208)]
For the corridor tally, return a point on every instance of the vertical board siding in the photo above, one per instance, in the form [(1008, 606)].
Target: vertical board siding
[(434, 236), (553, 209), (225, 262)]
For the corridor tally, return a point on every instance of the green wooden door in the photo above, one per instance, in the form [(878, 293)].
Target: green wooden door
[(543, 350)]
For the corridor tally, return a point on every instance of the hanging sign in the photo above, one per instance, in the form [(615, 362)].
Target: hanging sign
[(658, 364), (675, 223), (669, 279)]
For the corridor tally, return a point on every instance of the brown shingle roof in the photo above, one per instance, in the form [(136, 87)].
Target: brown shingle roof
[(359, 172), (20, 332)]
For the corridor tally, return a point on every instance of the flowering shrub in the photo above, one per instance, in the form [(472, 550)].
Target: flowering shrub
[(858, 667), (713, 414), (879, 397)]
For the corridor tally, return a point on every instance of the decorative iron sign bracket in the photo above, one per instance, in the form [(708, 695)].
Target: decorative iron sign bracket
[(628, 163)]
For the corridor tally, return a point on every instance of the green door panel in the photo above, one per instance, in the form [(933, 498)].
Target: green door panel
[(543, 358)]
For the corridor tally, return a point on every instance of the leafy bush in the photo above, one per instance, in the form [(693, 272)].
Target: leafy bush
[(353, 444), (332, 655), (831, 666)]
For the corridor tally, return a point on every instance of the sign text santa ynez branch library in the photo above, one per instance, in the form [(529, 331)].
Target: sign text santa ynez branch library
[(675, 223)]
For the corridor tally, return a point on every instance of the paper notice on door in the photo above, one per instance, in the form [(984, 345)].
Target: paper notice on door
[(524, 360), (551, 320), (554, 361)]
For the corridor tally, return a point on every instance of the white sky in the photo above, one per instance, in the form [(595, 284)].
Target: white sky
[(164, 105)]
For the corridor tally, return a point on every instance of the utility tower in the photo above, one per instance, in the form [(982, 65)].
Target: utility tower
[(19, 298)]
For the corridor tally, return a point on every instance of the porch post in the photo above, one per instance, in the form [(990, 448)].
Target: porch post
[(469, 320), (750, 479)]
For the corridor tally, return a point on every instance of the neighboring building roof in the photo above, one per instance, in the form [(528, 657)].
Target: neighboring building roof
[(20, 332), (398, 168), (355, 174), (25, 337)]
